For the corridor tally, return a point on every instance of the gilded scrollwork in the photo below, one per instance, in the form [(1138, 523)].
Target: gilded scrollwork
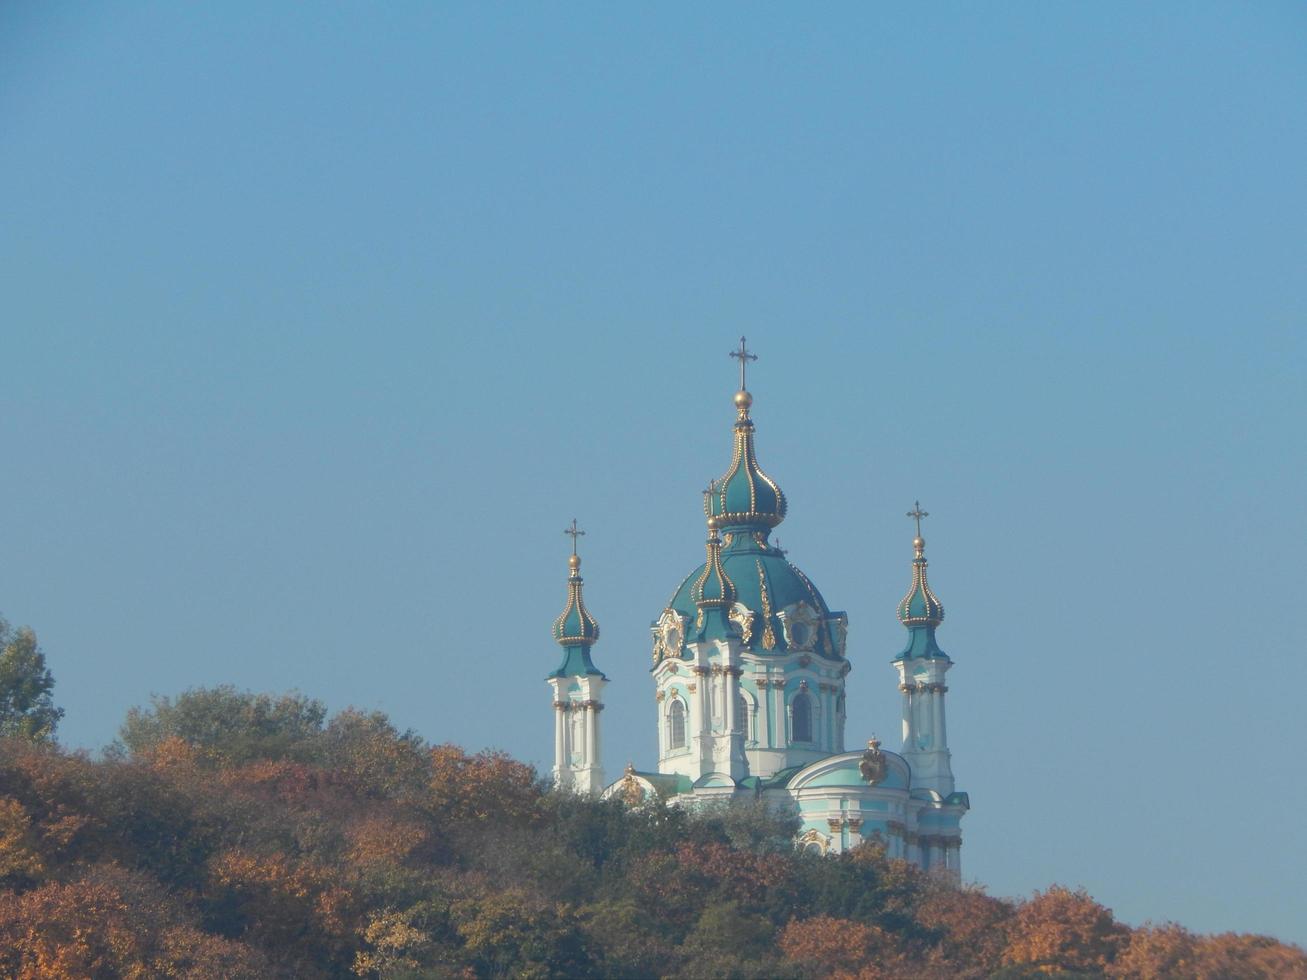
[(874, 766), (669, 635), (800, 624), (742, 616), (768, 634)]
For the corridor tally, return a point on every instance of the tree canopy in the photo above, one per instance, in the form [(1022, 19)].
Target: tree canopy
[(245, 835), (27, 707)]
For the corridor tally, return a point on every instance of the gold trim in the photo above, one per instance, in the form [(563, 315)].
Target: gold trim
[(768, 634)]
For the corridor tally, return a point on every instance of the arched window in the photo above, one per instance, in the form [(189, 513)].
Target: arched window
[(742, 717), (676, 724), (801, 718)]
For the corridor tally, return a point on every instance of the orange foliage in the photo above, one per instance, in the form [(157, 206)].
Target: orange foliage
[(742, 875), (277, 897), (1230, 954), (380, 840), (1062, 929), (19, 857), (172, 754), (972, 927), (279, 779), (111, 923), (476, 787), (841, 949)]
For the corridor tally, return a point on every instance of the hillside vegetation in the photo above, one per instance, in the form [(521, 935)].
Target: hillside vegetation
[(232, 835)]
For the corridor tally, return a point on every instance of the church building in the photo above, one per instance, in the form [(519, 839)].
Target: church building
[(749, 663)]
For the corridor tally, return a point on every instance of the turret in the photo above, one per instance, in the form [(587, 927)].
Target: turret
[(576, 685), (921, 667)]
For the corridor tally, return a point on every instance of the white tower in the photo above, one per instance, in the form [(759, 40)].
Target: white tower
[(577, 686), (921, 668)]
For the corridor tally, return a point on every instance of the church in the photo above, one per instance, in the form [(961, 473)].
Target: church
[(748, 669)]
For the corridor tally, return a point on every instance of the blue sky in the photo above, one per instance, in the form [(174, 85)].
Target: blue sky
[(320, 323)]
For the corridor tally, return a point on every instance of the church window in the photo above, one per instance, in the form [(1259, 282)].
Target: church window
[(801, 718), (676, 724), (742, 719)]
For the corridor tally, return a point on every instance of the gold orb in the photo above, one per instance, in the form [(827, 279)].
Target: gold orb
[(918, 543), (574, 562), (743, 399)]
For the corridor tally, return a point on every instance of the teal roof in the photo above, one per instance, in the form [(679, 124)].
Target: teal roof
[(920, 607), (575, 630), (745, 495), (765, 582), (745, 505), (920, 611)]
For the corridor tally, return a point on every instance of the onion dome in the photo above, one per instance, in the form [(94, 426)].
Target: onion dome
[(920, 607), (920, 610), (745, 495), (575, 630), (773, 608), (713, 589)]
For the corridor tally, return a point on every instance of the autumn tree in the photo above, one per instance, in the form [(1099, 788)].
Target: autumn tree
[(113, 923), (1064, 930), (27, 708)]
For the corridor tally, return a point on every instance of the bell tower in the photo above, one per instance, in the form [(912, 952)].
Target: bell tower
[(577, 685), (921, 668)]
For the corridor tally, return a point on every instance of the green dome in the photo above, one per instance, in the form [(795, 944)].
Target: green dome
[(920, 607), (920, 611), (745, 495), (770, 590), (770, 603), (575, 630)]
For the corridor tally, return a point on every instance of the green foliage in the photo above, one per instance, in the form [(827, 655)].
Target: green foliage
[(228, 726), (243, 835), (27, 709)]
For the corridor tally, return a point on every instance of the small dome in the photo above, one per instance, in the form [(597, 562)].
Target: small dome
[(920, 607), (713, 589), (575, 626)]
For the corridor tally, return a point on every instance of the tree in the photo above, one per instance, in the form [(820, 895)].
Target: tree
[(1065, 930), (228, 726), (26, 708)]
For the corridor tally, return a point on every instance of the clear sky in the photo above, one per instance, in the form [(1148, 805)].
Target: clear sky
[(319, 323)]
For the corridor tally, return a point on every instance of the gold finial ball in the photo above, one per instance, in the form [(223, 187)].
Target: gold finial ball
[(743, 400), (574, 562), (712, 524), (919, 543)]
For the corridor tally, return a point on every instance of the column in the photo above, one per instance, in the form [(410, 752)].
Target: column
[(591, 734), (560, 741), (908, 734)]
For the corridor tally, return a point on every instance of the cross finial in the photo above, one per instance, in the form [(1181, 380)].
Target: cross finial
[(776, 546), (575, 532), (744, 357), (917, 514)]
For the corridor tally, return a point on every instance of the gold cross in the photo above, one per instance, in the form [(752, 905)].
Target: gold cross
[(745, 357), (917, 513), (575, 532)]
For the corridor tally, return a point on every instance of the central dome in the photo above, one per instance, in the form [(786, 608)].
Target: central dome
[(775, 607)]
